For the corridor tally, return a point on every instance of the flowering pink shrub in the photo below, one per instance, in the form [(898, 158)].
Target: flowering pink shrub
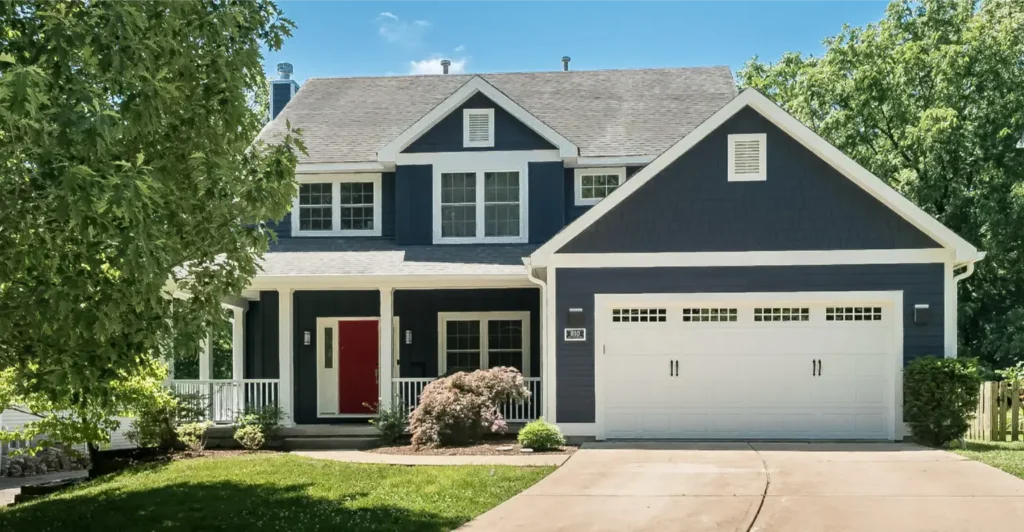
[(461, 408)]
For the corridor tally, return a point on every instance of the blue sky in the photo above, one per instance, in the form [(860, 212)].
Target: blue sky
[(391, 38)]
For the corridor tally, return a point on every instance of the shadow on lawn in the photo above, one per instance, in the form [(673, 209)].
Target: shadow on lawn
[(215, 506)]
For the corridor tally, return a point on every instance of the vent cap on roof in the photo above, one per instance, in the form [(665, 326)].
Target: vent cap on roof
[(748, 157), (478, 128)]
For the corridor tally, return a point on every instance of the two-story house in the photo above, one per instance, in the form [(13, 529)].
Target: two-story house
[(659, 255)]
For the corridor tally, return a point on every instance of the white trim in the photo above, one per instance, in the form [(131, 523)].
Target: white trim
[(592, 162), (964, 251), (580, 173), (550, 351), (284, 356), (577, 429), (483, 318), (237, 344), (475, 85), (751, 258), (343, 168), (335, 180), (466, 142), (478, 166), (949, 325), (479, 158), (399, 282), (604, 302), (385, 347), (762, 140), (332, 323)]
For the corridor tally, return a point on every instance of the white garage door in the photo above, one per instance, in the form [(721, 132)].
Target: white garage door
[(746, 369)]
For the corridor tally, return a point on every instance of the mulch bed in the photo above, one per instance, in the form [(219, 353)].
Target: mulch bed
[(482, 449)]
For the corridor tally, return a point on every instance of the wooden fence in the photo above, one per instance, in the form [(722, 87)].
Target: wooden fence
[(998, 416)]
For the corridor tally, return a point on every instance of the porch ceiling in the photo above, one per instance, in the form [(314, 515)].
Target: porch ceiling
[(351, 256)]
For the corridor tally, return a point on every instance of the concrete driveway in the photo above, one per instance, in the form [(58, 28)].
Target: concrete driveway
[(764, 487)]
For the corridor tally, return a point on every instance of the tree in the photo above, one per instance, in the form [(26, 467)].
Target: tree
[(929, 99), (128, 176)]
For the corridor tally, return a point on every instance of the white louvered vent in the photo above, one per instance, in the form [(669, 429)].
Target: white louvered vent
[(747, 157), (478, 128)]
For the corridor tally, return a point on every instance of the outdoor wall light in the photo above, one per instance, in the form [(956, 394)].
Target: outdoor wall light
[(922, 314), (408, 337), (307, 337), (575, 318)]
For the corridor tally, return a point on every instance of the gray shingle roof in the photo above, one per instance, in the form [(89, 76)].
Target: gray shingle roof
[(603, 112), (356, 256)]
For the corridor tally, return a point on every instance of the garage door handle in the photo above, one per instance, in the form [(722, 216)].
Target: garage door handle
[(814, 367), (670, 369), (819, 367), (677, 368)]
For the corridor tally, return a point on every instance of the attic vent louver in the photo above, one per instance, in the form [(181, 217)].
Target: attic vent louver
[(478, 128), (747, 157)]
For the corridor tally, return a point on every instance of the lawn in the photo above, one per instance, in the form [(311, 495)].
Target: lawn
[(1006, 456), (275, 492)]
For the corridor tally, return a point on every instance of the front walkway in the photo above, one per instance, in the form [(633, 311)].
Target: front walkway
[(792, 487), (11, 486), (361, 457)]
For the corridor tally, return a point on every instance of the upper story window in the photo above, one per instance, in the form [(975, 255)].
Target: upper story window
[(478, 128), (480, 206), (337, 205), (748, 157), (595, 184)]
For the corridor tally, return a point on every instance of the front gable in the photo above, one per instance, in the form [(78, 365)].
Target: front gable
[(510, 134), (692, 206)]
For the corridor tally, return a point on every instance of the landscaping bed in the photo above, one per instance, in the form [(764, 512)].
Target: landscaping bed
[(479, 449)]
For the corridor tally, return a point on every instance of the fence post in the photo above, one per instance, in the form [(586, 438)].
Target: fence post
[(990, 411), (1015, 390)]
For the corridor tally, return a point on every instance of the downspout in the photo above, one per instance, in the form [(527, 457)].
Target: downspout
[(543, 325), (968, 271)]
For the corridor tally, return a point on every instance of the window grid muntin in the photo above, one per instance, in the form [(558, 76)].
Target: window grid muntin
[(458, 205), (357, 206), (501, 204), (472, 338), (853, 313), (316, 205), (782, 314), (639, 315), (710, 314), (598, 186), (505, 343)]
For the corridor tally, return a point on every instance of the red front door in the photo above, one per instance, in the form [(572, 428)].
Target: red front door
[(358, 348)]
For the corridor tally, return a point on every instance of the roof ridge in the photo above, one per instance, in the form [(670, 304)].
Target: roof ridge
[(537, 72)]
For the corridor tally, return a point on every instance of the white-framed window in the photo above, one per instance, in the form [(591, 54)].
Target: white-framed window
[(480, 206), (595, 184), (337, 205), (748, 157), (478, 128), (469, 341)]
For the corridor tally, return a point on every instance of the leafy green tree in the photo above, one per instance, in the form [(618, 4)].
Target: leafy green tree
[(128, 174), (930, 99)]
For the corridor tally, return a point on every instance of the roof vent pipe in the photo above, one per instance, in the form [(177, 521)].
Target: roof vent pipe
[(444, 66), (284, 70), (565, 63)]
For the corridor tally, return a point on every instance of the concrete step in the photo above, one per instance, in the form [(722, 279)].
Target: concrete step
[(329, 443)]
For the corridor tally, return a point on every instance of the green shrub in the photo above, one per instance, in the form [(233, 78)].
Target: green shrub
[(540, 435), (193, 435), (267, 418), (155, 418), (389, 422), (250, 436), (940, 395)]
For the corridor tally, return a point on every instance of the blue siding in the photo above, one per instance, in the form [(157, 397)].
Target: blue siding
[(920, 283), (509, 133), (804, 205), (280, 96), (387, 204), (283, 227), (308, 306), (545, 202), (573, 211), (414, 200), (261, 334), (417, 312)]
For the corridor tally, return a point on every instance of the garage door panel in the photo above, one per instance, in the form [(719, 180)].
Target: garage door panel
[(747, 378)]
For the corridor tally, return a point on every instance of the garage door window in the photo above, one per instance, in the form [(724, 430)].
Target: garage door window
[(471, 341), (853, 314), (639, 315), (709, 314), (782, 314)]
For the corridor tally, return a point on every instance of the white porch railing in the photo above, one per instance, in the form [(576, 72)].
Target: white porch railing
[(227, 398), (408, 392)]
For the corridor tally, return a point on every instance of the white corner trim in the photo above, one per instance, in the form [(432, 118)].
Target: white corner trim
[(335, 180), (460, 96), (321, 168), (485, 349), (469, 143), (751, 258), (478, 163), (579, 173), (762, 141), (964, 251)]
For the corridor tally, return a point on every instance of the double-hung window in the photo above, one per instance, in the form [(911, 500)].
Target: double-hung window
[(471, 341), (595, 184), (338, 205), (480, 206)]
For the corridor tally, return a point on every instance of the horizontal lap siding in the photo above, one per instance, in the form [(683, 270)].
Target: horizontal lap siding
[(576, 288), (509, 132)]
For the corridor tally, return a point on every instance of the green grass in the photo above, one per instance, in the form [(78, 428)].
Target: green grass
[(275, 492), (1006, 456)]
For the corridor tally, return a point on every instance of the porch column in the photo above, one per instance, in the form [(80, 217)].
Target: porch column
[(237, 344), (386, 346), (205, 358), (284, 355)]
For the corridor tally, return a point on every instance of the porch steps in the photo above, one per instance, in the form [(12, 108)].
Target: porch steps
[(331, 443)]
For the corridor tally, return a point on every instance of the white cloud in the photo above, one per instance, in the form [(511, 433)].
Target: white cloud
[(460, 48), (433, 66), (395, 30)]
